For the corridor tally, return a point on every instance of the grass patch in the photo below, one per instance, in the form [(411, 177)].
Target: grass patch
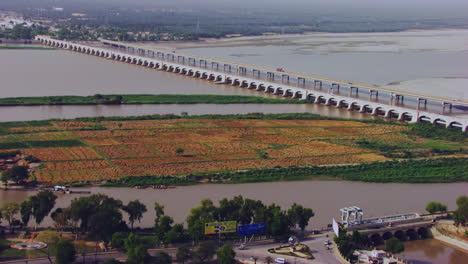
[(7, 252), (431, 131), (25, 47), (144, 99), (41, 144), (411, 171), (151, 180)]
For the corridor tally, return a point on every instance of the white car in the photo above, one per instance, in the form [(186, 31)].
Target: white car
[(280, 260)]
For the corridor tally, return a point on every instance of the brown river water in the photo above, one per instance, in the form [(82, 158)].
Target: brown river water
[(66, 73)]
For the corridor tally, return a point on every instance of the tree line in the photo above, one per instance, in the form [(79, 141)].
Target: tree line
[(101, 218)]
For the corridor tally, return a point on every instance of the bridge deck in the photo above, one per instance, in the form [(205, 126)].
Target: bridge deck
[(312, 77)]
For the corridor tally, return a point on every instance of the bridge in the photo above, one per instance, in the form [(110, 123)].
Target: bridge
[(409, 226), (374, 100)]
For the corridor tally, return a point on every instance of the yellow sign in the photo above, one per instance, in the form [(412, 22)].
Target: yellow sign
[(220, 227)]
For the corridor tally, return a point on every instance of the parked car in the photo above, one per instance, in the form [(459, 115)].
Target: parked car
[(280, 260)]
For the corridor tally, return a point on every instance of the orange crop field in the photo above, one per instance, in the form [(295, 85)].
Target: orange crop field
[(186, 146)]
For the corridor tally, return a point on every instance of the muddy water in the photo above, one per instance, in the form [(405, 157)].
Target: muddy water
[(433, 251), (325, 197), (24, 113)]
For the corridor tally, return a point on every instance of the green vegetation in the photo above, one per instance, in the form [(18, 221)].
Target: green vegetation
[(431, 131), (25, 47), (144, 99), (411, 171), (394, 245), (436, 207), (347, 244), (460, 216), (41, 144), (16, 174)]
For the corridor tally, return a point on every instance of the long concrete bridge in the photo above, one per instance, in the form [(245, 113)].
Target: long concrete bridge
[(374, 100)]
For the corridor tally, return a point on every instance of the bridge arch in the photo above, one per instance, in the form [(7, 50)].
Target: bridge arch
[(278, 91), (405, 116), (392, 113), (439, 122), (298, 95), (376, 239), (354, 106), (311, 97), (455, 124), (387, 235), (411, 234), (244, 84), (320, 100), (331, 101), (424, 118), (378, 111), (423, 233), (401, 235), (288, 93)]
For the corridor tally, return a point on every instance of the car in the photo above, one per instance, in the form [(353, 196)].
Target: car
[(327, 242), (280, 260)]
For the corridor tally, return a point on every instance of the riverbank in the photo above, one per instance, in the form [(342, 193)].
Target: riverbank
[(24, 47), (447, 232), (143, 99)]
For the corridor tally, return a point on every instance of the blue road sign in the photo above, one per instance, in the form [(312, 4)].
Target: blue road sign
[(252, 229)]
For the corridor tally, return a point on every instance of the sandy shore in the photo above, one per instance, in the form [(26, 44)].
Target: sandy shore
[(443, 39)]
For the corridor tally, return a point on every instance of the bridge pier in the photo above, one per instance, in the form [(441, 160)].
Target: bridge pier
[(270, 76), (444, 105), (351, 90), (301, 80), (319, 82), (372, 92)]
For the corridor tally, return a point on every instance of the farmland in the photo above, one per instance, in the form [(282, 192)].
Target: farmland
[(109, 150)]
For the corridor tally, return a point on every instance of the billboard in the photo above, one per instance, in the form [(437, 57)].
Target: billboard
[(220, 227), (252, 229)]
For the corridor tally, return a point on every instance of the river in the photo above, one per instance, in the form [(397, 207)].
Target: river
[(433, 251), (48, 72)]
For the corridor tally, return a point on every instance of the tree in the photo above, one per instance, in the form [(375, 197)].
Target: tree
[(51, 238), (163, 258), (135, 210), (61, 218), (205, 251), (436, 207), (199, 216), (269, 259), (117, 240), (8, 210), (183, 254), (64, 251), (26, 211), (298, 215), (98, 214), (41, 205), (179, 151), (175, 235), (394, 245), (16, 174), (226, 255), (136, 252), (460, 216)]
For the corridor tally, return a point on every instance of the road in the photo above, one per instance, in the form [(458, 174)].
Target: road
[(315, 244)]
